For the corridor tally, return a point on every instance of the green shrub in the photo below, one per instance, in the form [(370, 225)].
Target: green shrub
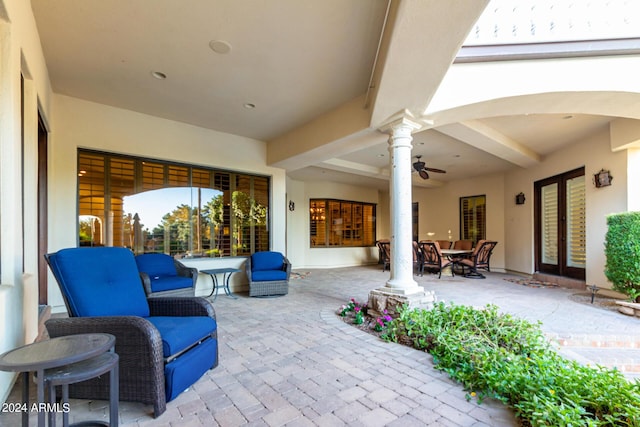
[(497, 355), (622, 250)]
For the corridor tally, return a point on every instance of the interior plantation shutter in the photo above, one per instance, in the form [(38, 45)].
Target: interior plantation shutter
[(576, 223), (549, 195)]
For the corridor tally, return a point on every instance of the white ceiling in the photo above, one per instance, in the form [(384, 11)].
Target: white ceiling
[(293, 59)]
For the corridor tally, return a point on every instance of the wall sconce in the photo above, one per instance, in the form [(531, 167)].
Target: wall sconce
[(520, 198), (602, 178), (292, 206)]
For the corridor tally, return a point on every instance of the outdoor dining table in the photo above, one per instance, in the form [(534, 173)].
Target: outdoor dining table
[(452, 252)]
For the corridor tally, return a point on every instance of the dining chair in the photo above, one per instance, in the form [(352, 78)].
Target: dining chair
[(479, 259), (465, 245), (444, 244), (384, 248), (417, 256), (432, 258)]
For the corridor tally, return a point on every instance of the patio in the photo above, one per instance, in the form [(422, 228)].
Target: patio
[(292, 361)]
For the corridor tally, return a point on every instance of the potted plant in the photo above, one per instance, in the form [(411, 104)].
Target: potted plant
[(622, 251)]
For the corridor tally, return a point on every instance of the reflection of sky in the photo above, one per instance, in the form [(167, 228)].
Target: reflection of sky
[(152, 205)]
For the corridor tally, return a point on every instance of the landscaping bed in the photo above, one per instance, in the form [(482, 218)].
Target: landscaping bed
[(500, 356)]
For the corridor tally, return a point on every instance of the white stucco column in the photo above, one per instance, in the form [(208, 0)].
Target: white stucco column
[(401, 280), (401, 289)]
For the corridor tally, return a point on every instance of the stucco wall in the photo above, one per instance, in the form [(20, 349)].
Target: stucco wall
[(300, 252), (20, 54), (86, 124), (439, 211), (594, 153)]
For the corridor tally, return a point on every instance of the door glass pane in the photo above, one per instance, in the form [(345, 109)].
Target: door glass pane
[(549, 219), (576, 223), (473, 218)]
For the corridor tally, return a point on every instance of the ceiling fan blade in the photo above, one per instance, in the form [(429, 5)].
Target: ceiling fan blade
[(436, 170), (423, 174)]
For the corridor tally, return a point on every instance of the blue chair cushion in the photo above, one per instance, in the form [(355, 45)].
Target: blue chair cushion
[(180, 373), (178, 333), (101, 281), (156, 265), (268, 275), (261, 261), (168, 283)]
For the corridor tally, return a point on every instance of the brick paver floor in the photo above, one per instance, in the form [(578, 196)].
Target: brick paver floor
[(290, 361)]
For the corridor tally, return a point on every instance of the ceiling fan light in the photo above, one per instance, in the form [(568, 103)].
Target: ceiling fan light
[(423, 174)]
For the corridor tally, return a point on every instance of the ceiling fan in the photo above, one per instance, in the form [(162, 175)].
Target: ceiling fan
[(423, 170)]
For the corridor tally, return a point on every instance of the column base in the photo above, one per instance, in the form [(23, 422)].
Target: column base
[(392, 300)]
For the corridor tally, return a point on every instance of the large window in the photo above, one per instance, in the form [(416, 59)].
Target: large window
[(473, 218), (338, 223), (153, 206)]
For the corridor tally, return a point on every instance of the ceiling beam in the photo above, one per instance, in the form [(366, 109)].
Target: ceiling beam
[(415, 56), (374, 172), (486, 138)]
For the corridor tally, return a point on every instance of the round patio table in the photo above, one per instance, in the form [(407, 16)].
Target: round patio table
[(51, 353)]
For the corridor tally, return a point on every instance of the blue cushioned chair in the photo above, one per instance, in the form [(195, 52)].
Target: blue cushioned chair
[(164, 344), (164, 276), (268, 274)]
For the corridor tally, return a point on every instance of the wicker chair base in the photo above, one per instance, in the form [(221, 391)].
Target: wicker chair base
[(184, 292), (266, 289)]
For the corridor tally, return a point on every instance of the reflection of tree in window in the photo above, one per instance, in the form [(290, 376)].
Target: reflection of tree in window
[(247, 212), (152, 206), (90, 230)]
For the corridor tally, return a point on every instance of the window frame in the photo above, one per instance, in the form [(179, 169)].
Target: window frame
[(322, 211), (256, 188), (466, 234)]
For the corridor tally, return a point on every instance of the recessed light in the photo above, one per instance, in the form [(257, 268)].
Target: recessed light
[(158, 75), (249, 106), (220, 46), (567, 117), (380, 155)]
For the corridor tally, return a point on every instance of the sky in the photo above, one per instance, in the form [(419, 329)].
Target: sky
[(151, 206)]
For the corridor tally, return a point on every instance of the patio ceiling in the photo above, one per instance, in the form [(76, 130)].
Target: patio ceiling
[(301, 64)]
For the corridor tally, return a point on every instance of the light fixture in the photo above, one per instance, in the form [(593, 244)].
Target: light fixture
[(249, 106), (602, 178), (316, 213), (220, 46), (520, 198)]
